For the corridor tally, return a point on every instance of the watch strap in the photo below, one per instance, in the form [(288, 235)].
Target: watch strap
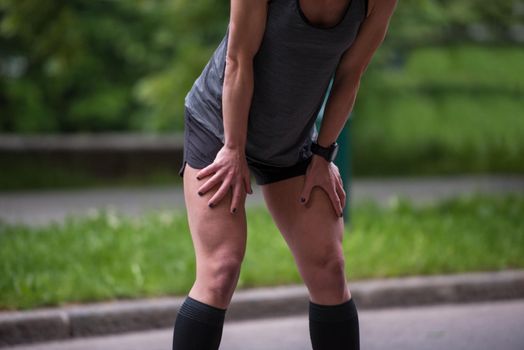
[(328, 153)]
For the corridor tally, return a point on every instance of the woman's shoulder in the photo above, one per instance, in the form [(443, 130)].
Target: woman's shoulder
[(372, 4)]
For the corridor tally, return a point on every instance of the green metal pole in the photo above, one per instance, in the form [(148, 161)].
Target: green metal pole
[(343, 159)]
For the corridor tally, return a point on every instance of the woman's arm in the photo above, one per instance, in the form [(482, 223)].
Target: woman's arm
[(246, 29), (351, 67), (229, 169)]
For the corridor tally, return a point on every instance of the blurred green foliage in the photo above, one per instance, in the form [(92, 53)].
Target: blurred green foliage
[(80, 65), (426, 22), (429, 95), (458, 109)]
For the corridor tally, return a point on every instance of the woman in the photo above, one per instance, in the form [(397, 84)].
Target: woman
[(252, 110)]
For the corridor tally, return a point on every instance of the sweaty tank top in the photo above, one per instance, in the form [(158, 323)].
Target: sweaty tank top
[(292, 70)]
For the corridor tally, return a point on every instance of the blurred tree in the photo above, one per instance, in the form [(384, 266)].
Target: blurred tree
[(70, 65), (92, 65), (194, 27)]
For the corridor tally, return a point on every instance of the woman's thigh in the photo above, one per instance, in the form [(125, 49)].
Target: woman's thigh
[(312, 231), (218, 235), (215, 231)]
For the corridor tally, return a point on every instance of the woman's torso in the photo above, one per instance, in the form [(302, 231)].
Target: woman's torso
[(292, 70)]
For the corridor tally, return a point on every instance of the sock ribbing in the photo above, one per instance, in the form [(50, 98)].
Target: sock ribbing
[(333, 313), (198, 326), (202, 312)]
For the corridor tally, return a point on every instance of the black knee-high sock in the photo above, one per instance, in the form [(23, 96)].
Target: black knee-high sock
[(334, 327), (198, 326)]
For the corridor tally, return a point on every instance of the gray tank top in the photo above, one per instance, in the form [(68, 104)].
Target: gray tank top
[(292, 70)]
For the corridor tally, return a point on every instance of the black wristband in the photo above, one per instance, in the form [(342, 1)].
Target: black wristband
[(328, 153)]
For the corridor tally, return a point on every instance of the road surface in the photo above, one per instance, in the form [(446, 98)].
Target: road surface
[(41, 207), (476, 326)]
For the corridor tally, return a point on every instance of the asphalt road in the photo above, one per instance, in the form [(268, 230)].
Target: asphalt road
[(475, 326), (41, 207)]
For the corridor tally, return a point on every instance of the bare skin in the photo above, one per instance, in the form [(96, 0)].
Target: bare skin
[(215, 195), (314, 235), (324, 13), (219, 239)]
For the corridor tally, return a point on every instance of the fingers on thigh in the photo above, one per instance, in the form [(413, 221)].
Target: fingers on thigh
[(317, 239), (310, 230), (214, 230)]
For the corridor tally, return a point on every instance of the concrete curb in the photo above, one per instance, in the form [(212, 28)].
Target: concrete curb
[(17, 327)]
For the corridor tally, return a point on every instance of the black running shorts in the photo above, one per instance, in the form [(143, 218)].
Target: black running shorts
[(201, 147)]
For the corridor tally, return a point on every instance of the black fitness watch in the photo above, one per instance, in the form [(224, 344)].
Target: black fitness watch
[(328, 153)]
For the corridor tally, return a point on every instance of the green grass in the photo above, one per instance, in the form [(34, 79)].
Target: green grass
[(107, 255)]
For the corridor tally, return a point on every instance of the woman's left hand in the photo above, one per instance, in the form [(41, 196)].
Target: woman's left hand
[(325, 175)]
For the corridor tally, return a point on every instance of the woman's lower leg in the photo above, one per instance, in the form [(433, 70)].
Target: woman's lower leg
[(333, 315), (315, 235), (200, 320), (334, 327)]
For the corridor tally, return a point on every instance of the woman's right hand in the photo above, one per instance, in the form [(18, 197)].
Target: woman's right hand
[(229, 168)]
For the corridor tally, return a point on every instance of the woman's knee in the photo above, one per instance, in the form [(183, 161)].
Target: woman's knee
[(220, 276), (328, 265), (225, 270), (325, 277)]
